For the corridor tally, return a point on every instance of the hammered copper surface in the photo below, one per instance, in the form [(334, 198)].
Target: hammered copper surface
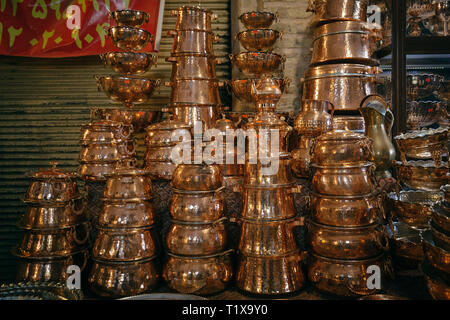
[(256, 63), (338, 10), (422, 175), (196, 18), (193, 177), (129, 63), (195, 91), (193, 41), (258, 19), (129, 38), (125, 213), (193, 66), (131, 18), (258, 39)]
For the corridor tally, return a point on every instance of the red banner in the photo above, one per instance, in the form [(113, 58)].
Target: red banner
[(68, 28)]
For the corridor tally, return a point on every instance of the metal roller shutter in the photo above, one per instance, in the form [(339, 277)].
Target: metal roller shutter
[(43, 103)]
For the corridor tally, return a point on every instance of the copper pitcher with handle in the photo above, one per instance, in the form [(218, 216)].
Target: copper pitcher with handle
[(379, 120)]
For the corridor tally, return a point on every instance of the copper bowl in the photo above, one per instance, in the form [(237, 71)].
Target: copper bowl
[(441, 216), (406, 246), (128, 182), (126, 244), (96, 171), (441, 239), (194, 177), (422, 175), (436, 256), (121, 279), (160, 170), (128, 38), (437, 286), (108, 151), (258, 39), (140, 119), (199, 275), (129, 63), (130, 18), (256, 63), (159, 153), (130, 213), (242, 88), (127, 90), (160, 134), (257, 19)]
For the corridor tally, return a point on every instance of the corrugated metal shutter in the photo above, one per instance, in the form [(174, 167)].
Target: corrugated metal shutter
[(43, 103)]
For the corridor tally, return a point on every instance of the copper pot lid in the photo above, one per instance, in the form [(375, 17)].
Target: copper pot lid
[(127, 168), (52, 173)]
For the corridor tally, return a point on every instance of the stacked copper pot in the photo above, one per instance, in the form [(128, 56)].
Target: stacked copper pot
[(126, 248), (195, 96), (345, 233), (55, 225)]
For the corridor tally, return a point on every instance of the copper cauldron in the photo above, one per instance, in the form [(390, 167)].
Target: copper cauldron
[(196, 18), (337, 10), (195, 91), (259, 174), (197, 177), (436, 256), (195, 66), (192, 114), (352, 123), (129, 63), (160, 170), (126, 213), (108, 152), (441, 216), (96, 171), (193, 41)]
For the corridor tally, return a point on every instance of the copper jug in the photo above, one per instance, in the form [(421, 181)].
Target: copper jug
[(377, 116), (314, 118)]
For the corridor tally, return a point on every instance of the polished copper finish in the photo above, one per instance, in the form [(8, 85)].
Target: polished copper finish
[(422, 113), (108, 152), (193, 41), (440, 215), (127, 90), (96, 171), (446, 190), (195, 18), (139, 119), (160, 170), (258, 39), (122, 279), (256, 63), (160, 134), (414, 207), (340, 10), (270, 275), (198, 275), (406, 246), (352, 123), (105, 131), (341, 147), (346, 278), (268, 238), (381, 297), (301, 158), (130, 18), (437, 286), (129, 63), (422, 175), (124, 183), (133, 213), (314, 118), (257, 19), (346, 211), (441, 239), (345, 85), (254, 173), (195, 91), (351, 180), (344, 41), (195, 114), (194, 206), (242, 88), (436, 256), (126, 244), (128, 38), (197, 177), (193, 66), (196, 238)]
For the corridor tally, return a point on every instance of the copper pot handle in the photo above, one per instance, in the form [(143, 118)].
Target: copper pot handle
[(146, 17), (214, 16), (390, 122), (231, 56), (74, 210), (281, 35), (87, 227), (168, 83), (133, 148), (276, 16), (215, 38), (85, 260), (380, 238), (99, 84), (154, 60)]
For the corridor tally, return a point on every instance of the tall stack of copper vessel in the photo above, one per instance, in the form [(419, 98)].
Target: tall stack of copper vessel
[(269, 259), (126, 248), (55, 225), (196, 240)]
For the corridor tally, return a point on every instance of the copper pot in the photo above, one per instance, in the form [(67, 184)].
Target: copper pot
[(193, 114), (96, 171), (422, 175), (406, 246), (161, 154), (196, 238), (258, 19), (49, 269), (281, 175), (346, 278), (231, 169), (349, 242), (329, 11), (344, 41), (270, 275), (351, 83), (441, 239), (341, 147), (160, 170), (198, 275), (139, 119), (130, 18), (440, 215), (196, 18), (351, 180), (258, 39), (197, 177), (436, 284), (194, 206), (51, 185), (54, 215), (54, 242), (129, 213), (129, 63), (301, 158), (446, 190), (195, 66), (108, 152), (314, 119), (129, 38), (121, 279), (160, 134), (268, 238), (436, 256), (128, 182), (126, 244), (346, 211), (353, 123), (256, 63), (242, 88), (268, 203), (127, 90), (195, 91), (104, 131), (193, 41), (414, 207)]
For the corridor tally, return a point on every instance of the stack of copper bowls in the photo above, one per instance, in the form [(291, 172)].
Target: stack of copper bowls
[(55, 225), (125, 251), (436, 245), (195, 96), (104, 143), (198, 259), (269, 259), (345, 233)]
